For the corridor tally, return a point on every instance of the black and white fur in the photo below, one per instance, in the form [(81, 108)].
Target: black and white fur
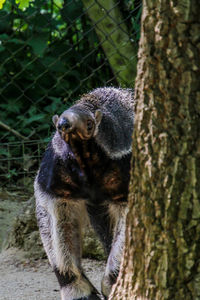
[(84, 174)]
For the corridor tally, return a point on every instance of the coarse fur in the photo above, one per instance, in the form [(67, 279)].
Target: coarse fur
[(84, 175), (114, 133)]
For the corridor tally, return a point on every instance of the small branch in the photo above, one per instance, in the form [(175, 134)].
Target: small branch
[(8, 128)]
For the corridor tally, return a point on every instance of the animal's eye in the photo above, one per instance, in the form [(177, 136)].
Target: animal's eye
[(89, 125)]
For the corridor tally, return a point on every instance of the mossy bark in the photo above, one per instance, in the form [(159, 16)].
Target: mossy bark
[(161, 257), (113, 34)]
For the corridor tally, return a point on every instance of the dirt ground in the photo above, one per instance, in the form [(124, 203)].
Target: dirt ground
[(21, 279)]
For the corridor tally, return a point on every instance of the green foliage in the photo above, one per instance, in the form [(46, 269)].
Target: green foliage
[(2, 3), (50, 55), (133, 10), (23, 3)]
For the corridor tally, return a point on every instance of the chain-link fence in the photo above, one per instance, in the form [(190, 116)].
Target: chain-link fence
[(51, 53)]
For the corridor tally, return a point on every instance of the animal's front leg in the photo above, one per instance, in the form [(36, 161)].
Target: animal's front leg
[(60, 224)]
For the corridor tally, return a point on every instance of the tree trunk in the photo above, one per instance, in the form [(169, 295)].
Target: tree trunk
[(162, 254), (113, 34)]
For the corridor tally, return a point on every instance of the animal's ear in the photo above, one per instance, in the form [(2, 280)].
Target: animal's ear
[(55, 120), (98, 116)]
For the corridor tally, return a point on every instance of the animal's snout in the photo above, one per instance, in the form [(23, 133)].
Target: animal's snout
[(64, 124)]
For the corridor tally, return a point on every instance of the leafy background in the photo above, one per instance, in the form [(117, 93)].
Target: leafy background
[(49, 56)]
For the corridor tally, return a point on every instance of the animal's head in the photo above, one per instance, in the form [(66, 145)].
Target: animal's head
[(77, 123)]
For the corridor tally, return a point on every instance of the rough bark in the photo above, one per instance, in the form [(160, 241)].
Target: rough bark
[(113, 34), (161, 257)]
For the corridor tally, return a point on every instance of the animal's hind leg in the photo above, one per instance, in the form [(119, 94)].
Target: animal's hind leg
[(60, 228), (118, 214), (109, 223), (101, 222)]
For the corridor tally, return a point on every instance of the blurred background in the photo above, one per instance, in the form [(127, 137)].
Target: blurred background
[(52, 52)]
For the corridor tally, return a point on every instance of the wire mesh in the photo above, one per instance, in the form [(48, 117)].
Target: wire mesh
[(50, 54)]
